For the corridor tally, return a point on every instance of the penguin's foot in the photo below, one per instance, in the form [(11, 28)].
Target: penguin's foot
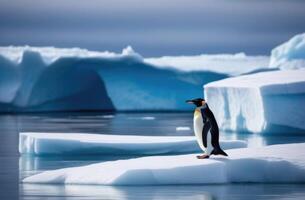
[(218, 151), (203, 156)]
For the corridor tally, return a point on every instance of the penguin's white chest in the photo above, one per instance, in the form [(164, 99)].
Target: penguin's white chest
[(198, 126)]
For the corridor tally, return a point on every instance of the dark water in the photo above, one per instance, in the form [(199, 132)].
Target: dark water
[(14, 168)]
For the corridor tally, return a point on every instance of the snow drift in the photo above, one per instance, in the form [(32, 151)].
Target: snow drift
[(289, 55), (270, 164), (53, 79), (262, 102), (96, 144)]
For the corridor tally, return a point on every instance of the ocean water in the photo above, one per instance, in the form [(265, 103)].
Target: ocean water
[(13, 168)]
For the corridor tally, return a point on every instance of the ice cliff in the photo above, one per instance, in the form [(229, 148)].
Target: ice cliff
[(262, 102)]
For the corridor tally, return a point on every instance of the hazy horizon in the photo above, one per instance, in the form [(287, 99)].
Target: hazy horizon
[(153, 28)]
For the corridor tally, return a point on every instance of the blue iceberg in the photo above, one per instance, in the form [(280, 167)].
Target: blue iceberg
[(52, 79)]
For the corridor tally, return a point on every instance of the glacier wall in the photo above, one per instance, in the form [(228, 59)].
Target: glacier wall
[(51, 79), (262, 102)]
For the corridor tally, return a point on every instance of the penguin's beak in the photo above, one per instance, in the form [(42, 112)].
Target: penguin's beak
[(189, 101)]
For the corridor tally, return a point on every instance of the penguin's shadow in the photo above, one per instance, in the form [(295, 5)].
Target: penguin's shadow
[(222, 159)]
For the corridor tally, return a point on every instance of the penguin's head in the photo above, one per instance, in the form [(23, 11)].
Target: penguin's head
[(197, 102)]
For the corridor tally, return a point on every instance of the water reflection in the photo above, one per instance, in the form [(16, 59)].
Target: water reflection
[(192, 192), (9, 157), (258, 140), (124, 123)]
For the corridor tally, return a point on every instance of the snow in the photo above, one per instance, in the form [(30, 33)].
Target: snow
[(48, 79), (80, 143), (262, 102), (51, 54), (289, 55), (231, 64), (271, 164)]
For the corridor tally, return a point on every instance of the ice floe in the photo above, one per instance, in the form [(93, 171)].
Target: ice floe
[(271, 164), (98, 144)]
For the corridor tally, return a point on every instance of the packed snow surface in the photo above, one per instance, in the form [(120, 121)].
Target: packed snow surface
[(269, 164), (289, 55), (78, 143), (262, 102)]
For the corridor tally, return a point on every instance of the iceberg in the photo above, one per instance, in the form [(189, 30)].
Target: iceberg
[(262, 102), (269, 164), (34, 79), (289, 55), (38, 144), (28, 83)]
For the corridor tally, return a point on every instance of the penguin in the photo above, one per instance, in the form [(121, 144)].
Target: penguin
[(206, 129)]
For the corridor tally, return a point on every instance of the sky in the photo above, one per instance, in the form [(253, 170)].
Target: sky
[(153, 28)]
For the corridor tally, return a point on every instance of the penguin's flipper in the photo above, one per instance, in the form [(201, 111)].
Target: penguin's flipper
[(218, 151)]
